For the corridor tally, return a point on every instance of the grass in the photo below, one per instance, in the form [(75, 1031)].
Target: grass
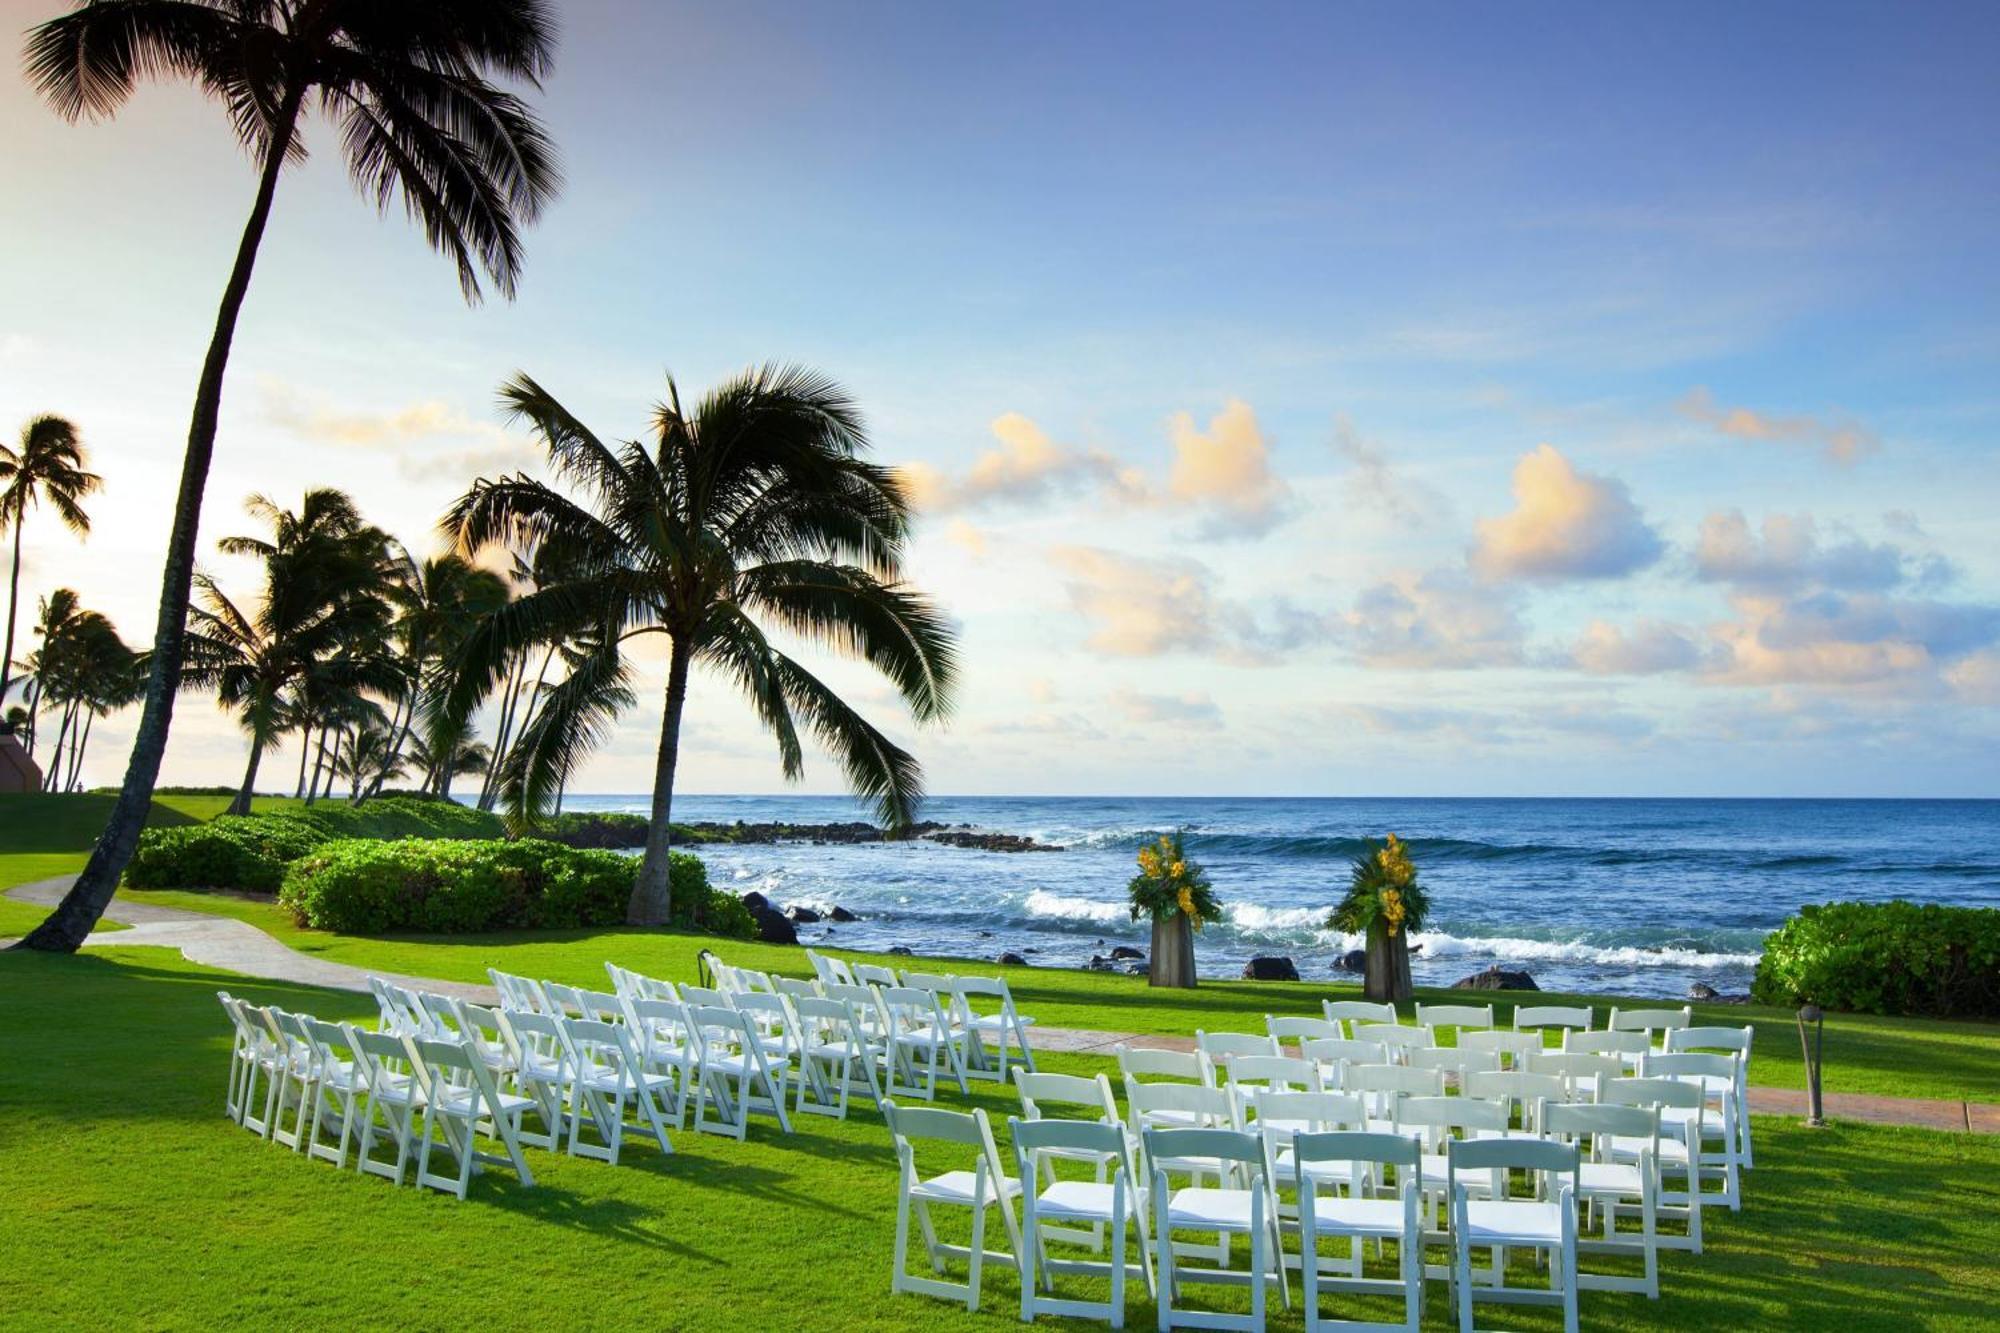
[(141, 1205)]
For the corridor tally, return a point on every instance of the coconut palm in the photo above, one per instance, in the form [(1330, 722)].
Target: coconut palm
[(313, 632), (464, 759), (410, 91), (48, 465), (83, 670), (756, 505)]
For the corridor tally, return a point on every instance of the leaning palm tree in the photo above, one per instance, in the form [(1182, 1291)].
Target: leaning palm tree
[(47, 466), (754, 506), (409, 89)]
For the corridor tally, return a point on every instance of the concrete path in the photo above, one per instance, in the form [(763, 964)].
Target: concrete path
[(237, 946)]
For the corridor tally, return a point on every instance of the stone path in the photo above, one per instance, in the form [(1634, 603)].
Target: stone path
[(237, 946)]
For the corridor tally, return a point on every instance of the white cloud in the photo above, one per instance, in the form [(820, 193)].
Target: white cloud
[(431, 441), (1375, 486), (1649, 647), (1565, 524), (1139, 607), (1227, 470), (1193, 709), (1023, 464), (965, 535), (1786, 553), (1440, 619), (1841, 441)]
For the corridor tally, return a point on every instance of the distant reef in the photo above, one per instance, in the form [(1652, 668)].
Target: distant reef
[(628, 831)]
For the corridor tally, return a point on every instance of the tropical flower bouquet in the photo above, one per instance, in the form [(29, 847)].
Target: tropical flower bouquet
[(1385, 904), (1175, 893)]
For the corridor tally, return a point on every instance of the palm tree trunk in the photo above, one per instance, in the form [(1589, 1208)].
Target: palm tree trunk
[(652, 892), (67, 927), (489, 786), (55, 769), (76, 755), (319, 766), (305, 757), (34, 713), (13, 601), (241, 805)]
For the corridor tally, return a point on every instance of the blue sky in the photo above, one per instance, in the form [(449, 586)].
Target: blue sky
[(1304, 399)]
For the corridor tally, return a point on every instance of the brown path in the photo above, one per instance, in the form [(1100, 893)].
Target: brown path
[(237, 946)]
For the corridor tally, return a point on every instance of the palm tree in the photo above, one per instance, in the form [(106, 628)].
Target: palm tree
[(84, 670), (47, 466), (463, 759), (409, 89), (437, 601), (323, 571), (755, 505)]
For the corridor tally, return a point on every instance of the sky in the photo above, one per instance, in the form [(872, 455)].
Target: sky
[(1300, 399)]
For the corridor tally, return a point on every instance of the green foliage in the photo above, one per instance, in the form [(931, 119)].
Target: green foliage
[(443, 887), (1886, 958), (1169, 884), (249, 853), (1382, 886), (594, 829)]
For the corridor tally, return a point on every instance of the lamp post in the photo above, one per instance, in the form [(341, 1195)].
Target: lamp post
[(1812, 1045)]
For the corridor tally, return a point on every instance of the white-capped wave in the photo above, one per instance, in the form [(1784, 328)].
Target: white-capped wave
[(1253, 919), (1064, 908), (1440, 945)]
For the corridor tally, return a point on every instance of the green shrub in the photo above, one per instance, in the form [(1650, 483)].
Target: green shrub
[(1886, 958), (368, 887), (249, 853), (594, 829)]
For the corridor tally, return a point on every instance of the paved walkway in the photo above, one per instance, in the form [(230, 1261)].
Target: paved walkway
[(237, 946)]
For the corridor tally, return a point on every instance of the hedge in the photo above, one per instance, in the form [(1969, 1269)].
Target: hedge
[(367, 887), (250, 852), (1886, 958)]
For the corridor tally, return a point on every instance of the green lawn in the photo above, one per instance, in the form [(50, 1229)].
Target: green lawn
[(139, 1204)]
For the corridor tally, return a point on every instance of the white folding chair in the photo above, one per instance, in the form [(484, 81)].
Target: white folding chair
[(874, 974), (335, 1093), (262, 1058), (1440, 1123), (1513, 1048), (608, 1073), (1628, 1045), (830, 970), (1454, 1062), (1301, 1030), (1088, 1212), (733, 1054), (394, 1098), (458, 1094), (985, 1185), (797, 988), (1253, 1076), (837, 1055), (1146, 1065), (1518, 1090), (1280, 1117), (1676, 1148), (1222, 1047), (543, 1071), (518, 994), (1350, 1012), (1655, 1023), (921, 1040), (562, 1000), (1582, 1072), (999, 1035), (297, 1074), (1606, 1186), (1731, 1041), (1072, 1097), (1334, 1054), (664, 1040), (1716, 1075), (1225, 1210), (1545, 1223), (1379, 1087), (1326, 1162)]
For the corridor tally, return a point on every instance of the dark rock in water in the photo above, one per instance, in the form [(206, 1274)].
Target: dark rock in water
[(1099, 963), (1496, 978), (1416, 948), (840, 913), (773, 926), (985, 934), (1011, 960), (1123, 951), (1270, 969), (1701, 990), (1354, 960), (804, 916), (903, 950)]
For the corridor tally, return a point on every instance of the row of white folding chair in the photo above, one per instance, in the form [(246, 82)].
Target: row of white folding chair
[(1734, 1041), (986, 1024), (327, 1080)]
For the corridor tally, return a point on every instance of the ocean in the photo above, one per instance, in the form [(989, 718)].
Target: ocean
[(1629, 897)]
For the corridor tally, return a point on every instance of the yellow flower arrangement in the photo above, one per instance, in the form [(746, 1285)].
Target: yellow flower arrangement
[(1384, 888), (1169, 883)]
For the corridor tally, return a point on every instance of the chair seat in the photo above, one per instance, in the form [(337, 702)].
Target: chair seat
[(838, 1050), (1357, 1217), (464, 1104), (957, 1187), (609, 1080), (1611, 1178), (1670, 1149), (1199, 1208), (994, 1022), (1181, 1166), (1076, 1201), (1512, 1222)]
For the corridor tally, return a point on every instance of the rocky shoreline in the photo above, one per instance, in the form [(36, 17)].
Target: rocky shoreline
[(626, 832)]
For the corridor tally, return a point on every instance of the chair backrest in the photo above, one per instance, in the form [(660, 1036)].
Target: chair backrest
[(1455, 1060), (909, 1125), (1538, 1016), (709, 996), (1512, 1086), (1652, 1020), (1350, 1012), (1038, 1091), (1608, 1042), (1575, 1120), (912, 1009), (657, 1023), (1688, 1064), (1439, 1117), (1735, 1040), (1344, 1050), (1515, 1046), (378, 1053), (565, 1000), (603, 1006), (1574, 1065), (1455, 1015), (518, 992), (1543, 1157), (832, 971), (726, 1024), (1222, 1047), (1145, 1062), (1402, 1080), (871, 974), (864, 1001), (1399, 1039), (1651, 1092), (1032, 1138), (596, 1042), (1284, 1028), (930, 981), (479, 1023), (441, 1015), (1280, 1114), (1365, 1151), (1171, 1103), (329, 1040), (1223, 1145), (1257, 1074), (749, 979), (796, 988), (777, 1014), (970, 990)]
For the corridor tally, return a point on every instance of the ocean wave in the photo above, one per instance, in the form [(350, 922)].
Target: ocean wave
[(1515, 949), (1061, 907)]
